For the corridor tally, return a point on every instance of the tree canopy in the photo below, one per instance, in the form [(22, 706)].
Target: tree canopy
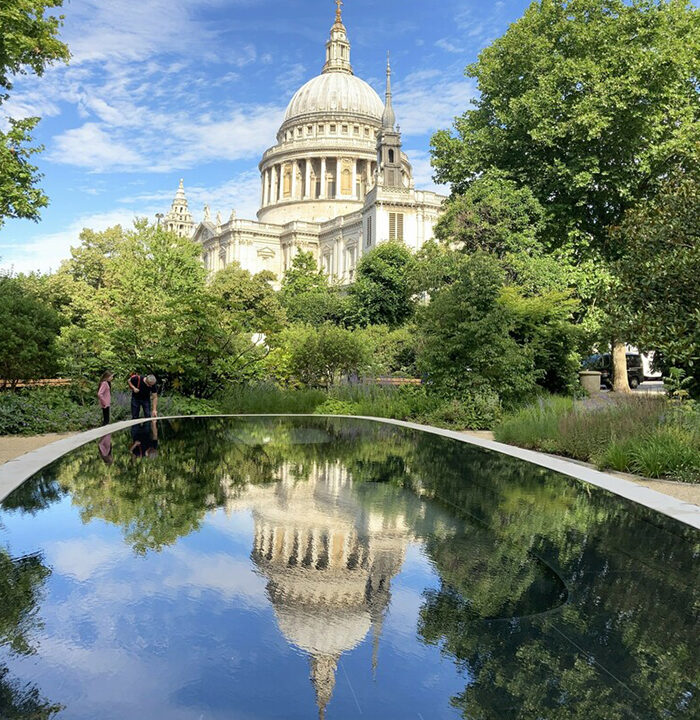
[(659, 274), (381, 293), (28, 332), (588, 103), (28, 43)]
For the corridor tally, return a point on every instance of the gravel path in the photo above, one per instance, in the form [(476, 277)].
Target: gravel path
[(12, 446)]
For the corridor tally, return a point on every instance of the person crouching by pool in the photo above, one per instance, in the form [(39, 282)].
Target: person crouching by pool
[(104, 395), (144, 391)]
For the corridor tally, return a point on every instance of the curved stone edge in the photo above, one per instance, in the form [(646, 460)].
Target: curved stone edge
[(15, 472)]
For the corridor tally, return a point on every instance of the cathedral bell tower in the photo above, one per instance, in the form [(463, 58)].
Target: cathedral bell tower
[(179, 220), (389, 158)]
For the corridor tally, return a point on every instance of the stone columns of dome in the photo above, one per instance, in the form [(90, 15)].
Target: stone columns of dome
[(307, 180), (368, 175), (295, 167), (266, 187), (355, 194), (324, 179), (280, 183)]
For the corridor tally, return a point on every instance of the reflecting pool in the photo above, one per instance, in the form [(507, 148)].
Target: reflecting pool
[(212, 569)]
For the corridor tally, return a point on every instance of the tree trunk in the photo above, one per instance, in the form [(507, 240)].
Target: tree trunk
[(619, 361)]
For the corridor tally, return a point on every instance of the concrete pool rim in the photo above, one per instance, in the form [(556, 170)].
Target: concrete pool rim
[(15, 472)]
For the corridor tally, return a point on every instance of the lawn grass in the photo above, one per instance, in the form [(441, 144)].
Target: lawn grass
[(646, 435)]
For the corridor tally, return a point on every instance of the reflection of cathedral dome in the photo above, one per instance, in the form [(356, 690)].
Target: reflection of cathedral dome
[(323, 630), (328, 562), (335, 92)]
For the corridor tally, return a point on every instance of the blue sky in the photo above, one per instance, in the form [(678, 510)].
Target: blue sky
[(162, 89)]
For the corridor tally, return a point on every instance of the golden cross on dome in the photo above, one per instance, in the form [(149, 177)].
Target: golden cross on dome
[(338, 15)]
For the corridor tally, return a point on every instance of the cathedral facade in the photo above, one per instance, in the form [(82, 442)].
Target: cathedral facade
[(336, 183)]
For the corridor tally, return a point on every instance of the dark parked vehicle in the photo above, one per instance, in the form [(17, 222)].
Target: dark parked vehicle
[(603, 363)]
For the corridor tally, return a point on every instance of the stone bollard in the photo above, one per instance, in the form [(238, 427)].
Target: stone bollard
[(590, 381)]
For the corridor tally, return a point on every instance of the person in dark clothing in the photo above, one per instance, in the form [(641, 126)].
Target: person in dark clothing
[(144, 395), (144, 440)]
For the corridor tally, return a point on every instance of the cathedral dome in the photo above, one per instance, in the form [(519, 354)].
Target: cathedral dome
[(335, 92)]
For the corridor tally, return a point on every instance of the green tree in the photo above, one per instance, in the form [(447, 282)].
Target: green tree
[(381, 293), (28, 42), (140, 301), (320, 356), (588, 103), (247, 316), (492, 214), (303, 276), (307, 296), (28, 334), (659, 273), (466, 343), (393, 351)]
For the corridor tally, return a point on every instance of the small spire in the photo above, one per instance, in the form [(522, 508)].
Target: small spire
[(180, 198), (338, 12), (389, 117)]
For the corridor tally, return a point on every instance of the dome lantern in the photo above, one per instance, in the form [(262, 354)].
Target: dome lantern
[(338, 46)]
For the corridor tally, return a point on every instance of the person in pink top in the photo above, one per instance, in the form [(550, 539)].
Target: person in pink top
[(104, 395)]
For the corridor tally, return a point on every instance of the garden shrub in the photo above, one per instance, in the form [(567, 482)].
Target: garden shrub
[(478, 411), (333, 406)]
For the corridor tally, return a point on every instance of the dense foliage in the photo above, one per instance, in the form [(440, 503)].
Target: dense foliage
[(28, 332), (28, 43), (587, 103), (660, 272)]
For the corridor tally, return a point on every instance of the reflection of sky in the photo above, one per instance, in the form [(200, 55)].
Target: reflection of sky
[(190, 633)]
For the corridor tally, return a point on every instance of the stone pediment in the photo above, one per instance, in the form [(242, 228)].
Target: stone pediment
[(205, 231), (266, 253)]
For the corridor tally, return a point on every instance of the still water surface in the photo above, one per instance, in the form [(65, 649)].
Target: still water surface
[(303, 568)]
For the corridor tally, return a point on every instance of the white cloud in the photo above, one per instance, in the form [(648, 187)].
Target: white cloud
[(241, 193), (445, 44), (45, 252), (82, 559), (215, 572), (91, 147)]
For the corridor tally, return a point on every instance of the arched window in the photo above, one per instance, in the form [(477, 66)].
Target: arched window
[(391, 156), (287, 188)]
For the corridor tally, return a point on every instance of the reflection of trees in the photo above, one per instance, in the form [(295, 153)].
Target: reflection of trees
[(157, 500), (20, 584), (34, 495), (633, 610), (21, 580)]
